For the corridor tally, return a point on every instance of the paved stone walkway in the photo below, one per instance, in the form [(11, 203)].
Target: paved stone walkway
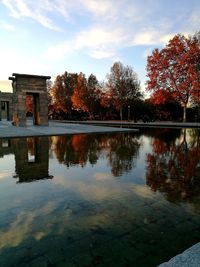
[(189, 258), (54, 128)]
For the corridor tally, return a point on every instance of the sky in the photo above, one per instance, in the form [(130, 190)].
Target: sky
[(49, 37)]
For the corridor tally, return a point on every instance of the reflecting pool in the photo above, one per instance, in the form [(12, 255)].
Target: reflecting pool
[(123, 199)]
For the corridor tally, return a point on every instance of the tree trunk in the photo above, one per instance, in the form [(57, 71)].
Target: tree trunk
[(184, 113), (120, 113)]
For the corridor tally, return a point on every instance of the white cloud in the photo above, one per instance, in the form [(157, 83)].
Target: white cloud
[(151, 37), (21, 63), (97, 42), (100, 42), (23, 223), (100, 54), (59, 50), (6, 26), (105, 42), (4, 174), (5, 86), (104, 8), (142, 191), (195, 18), (103, 176), (19, 9), (145, 38), (98, 36), (11, 7), (165, 38)]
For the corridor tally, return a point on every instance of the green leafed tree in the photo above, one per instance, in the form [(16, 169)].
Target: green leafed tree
[(123, 86)]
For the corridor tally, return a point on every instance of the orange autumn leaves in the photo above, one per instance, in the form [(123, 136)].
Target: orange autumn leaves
[(173, 72), (74, 91)]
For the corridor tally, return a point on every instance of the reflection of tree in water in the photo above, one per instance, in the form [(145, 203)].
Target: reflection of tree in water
[(123, 153), (174, 167), (119, 149), (76, 149)]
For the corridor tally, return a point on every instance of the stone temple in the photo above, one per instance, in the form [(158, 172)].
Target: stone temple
[(13, 105)]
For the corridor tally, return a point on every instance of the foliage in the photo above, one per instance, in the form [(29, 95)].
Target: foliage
[(173, 71), (123, 86), (86, 96), (62, 90), (80, 93)]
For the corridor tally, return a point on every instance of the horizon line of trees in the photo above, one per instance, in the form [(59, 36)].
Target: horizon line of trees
[(72, 95), (173, 74)]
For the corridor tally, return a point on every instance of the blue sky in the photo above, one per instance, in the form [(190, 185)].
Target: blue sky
[(48, 37)]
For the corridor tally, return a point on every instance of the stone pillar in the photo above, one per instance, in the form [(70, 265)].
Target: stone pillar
[(21, 109), (43, 103)]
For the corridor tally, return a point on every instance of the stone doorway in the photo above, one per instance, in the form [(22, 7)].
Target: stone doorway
[(6, 107), (36, 86), (32, 108), (5, 110)]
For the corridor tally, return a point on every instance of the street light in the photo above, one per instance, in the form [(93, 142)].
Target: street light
[(128, 113)]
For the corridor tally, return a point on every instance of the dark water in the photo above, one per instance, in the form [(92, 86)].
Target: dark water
[(99, 200)]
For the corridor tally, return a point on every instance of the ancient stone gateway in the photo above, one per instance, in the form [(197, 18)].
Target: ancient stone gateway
[(6, 106), (36, 86)]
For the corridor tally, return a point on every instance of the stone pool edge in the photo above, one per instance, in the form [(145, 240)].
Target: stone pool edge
[(189, 258), (7, 130)]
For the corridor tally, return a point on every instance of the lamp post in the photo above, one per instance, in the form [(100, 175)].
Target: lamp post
[(128, 113)]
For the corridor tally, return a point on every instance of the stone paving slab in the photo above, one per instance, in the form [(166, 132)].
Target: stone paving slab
[(54, 128), (189, 258)]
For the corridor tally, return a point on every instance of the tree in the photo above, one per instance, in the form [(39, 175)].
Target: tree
[(173, 70), (94, 95), (86, 96), (62, 90), (123, 86), (80, 94), (196, 94)]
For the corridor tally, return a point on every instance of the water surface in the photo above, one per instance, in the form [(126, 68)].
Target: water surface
[(124, 199)]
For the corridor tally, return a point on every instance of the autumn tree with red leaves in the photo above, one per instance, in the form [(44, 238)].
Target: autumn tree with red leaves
[(79, 94), (173, 71), (196, 93), (86, 96)]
